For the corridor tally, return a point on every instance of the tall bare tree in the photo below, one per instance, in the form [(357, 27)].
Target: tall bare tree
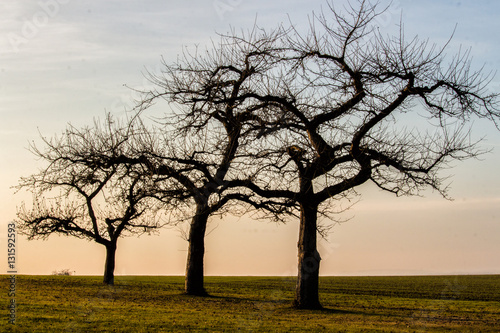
[(88, 190), (341, 112)]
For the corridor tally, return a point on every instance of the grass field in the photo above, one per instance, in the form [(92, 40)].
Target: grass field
[(156, 304)]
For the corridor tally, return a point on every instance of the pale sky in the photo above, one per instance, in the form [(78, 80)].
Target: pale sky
[(69, 61)]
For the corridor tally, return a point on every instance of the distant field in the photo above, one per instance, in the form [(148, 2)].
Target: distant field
[(156, 304)]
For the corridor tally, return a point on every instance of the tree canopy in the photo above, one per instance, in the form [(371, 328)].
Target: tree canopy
[(88, 190)]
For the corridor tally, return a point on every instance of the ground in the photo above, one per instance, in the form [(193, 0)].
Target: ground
[(156, 304)]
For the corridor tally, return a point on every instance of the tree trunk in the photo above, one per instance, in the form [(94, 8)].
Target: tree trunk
[(307, 296), (109, 268), (196, 252)]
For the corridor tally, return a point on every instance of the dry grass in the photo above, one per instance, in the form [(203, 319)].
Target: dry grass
[(156, 304)]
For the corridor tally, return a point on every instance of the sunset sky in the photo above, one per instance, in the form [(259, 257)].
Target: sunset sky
[(70, 61)]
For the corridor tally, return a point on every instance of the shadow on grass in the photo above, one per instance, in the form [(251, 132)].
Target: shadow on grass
[(281, 304)]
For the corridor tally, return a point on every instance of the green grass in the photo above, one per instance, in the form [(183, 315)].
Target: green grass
[(156, 304)]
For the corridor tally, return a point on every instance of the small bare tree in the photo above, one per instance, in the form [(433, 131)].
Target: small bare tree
[(88, 190)]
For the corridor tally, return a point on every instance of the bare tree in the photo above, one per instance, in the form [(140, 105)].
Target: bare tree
[(88, 189), (339, 115), (207, 136)]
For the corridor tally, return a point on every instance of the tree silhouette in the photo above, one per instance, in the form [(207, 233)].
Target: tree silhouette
[(339, 108), (207, 137), (88, 190)]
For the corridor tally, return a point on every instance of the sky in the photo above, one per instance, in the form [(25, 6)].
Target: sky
[(71, 61)]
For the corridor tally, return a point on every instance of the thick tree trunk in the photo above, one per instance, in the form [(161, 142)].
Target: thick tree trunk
[(109, 267), (307, 296), (196, 252)]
